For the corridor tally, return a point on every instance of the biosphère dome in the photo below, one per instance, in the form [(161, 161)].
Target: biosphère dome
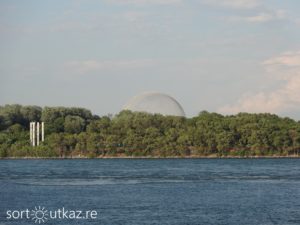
[(153, 102)]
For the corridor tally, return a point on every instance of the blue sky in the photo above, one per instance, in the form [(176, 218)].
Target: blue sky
[(224, 56)]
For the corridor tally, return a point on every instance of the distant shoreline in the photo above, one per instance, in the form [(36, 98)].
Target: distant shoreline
[(153, 157), (71, 132)]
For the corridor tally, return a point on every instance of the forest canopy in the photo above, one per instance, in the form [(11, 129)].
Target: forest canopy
[(76, 132)]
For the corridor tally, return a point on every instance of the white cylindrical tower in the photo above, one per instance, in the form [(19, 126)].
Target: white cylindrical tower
[(43, 132), (33, 134), (37, 133), (30, 132)]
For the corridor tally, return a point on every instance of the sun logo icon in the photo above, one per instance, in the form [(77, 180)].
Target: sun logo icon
[(39, 214)]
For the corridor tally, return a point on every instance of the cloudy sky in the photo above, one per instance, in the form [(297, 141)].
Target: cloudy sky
[(224, 56)]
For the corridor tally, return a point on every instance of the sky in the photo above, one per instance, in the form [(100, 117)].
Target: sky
[(224, 56)]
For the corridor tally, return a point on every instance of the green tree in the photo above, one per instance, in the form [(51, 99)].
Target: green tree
[(74, 124)]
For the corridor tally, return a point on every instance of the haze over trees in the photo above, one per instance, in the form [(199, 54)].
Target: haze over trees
[(72, 132)]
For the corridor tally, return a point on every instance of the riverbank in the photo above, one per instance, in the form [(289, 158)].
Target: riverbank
[(157, 157)]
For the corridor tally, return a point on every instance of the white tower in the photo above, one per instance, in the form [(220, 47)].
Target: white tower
[(43, 133), (30, 125), (35, 134)]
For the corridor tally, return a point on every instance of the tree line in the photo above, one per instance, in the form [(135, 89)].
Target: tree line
[(73, 132)]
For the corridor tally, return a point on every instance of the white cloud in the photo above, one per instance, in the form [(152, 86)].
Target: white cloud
[(265, 17), (143, 2), (285, 59), (285, 98), (261, 17), (86, 66), (247, 4), (261, 13)]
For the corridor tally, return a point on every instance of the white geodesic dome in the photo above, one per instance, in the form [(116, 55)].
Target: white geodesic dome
[(153, 102)]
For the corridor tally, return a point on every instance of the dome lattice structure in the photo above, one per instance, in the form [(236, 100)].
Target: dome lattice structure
[(153, 102)]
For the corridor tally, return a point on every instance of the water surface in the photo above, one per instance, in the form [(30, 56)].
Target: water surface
[(156, 191)]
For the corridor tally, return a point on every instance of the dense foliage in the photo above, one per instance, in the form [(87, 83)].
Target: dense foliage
[(76, 132)]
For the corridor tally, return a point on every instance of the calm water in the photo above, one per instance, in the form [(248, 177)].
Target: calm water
[(160, 191)]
